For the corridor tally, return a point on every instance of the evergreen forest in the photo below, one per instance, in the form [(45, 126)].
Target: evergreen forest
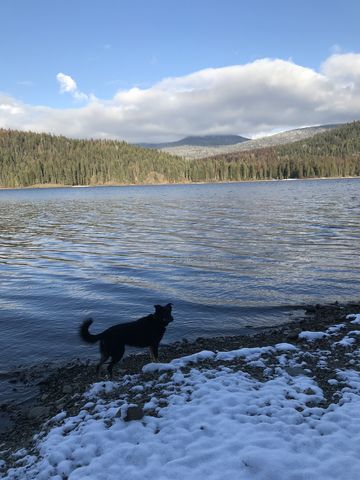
[(28, 158)]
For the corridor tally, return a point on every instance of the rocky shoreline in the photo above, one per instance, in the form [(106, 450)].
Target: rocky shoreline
[(61, 388)]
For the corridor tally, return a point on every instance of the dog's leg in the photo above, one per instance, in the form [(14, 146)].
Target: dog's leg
[(104, 355), (115, 359), (154, 354), (103, 359)]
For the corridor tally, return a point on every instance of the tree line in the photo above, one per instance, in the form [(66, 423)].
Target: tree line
[(28, 158)]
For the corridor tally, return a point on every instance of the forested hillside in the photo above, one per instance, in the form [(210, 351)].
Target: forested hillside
[(28, 158), (31, 159), (335, 153)]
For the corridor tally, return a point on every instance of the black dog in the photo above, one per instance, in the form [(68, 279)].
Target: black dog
[(145, 332)]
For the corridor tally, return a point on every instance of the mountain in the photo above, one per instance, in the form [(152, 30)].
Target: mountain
[(200, 141), (192, 151)]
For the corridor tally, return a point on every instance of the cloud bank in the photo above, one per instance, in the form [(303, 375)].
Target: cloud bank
[(264, 96)]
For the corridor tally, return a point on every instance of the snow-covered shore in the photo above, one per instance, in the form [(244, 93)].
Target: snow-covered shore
[(288, 411)]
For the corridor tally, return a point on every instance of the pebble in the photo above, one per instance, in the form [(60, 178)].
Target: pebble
[(295, 371), (38, 412), (294, 335), (67, 389), (309, 391)]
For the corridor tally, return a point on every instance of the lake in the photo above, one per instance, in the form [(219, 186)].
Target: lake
[(228, 256)]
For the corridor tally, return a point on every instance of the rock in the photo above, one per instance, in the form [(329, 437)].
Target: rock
[(312, 308), (294, 371), (60, 403), (38, 412), (67, 389), (134, 413), (309, 391), (293, 335)]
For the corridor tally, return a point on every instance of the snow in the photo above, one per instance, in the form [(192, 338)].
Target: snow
[(248, 354), (335, 328), (179, 362), (100, 387), (346, 341), (354, 318), (212, 421), (285, 347), (312, 336)]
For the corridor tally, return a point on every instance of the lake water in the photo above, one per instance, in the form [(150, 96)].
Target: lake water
[(226, 255)]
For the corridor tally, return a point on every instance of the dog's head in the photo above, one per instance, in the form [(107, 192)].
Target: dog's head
[(163, 313)]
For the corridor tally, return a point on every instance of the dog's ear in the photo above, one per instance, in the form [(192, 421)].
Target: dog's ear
[(157, 308), (169, 306)]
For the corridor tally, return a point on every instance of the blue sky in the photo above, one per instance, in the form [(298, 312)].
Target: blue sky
[(69, 60)]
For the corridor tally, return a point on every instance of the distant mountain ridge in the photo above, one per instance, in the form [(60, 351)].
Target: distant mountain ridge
[(199, 140), (195, 150)]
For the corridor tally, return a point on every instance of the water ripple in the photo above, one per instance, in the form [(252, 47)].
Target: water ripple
[(227, 256)]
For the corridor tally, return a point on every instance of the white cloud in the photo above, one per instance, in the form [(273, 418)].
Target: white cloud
[(336, 49), (10, 109), (68, 85), (343, 68), (263, 96), (25, 83)]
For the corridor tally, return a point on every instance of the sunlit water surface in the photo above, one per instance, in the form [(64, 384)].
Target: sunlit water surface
[(226, 255)]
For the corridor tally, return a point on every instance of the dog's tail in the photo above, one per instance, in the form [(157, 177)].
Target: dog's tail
[(85, 334)]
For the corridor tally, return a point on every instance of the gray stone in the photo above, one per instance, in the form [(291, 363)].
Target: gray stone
[(294, 371), (134, 413), (38, 412), (293, 334), (309, 391), (67, 389)]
